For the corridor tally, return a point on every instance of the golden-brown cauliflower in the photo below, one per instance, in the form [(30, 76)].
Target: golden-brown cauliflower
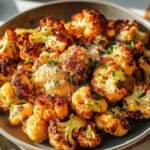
[(28, 49), (61, 134), (106, 80), (44, 111), (22, 84), (53, 81), (39, 109), (52, 33), (7, 68), (89, 138), (19, 112), (129, 31), (101, 40), (36, 129), (137, 49), (75, 62), (120, 54), (113, 123), (144, 63), (84, 105), (46, 58), (7, 96), (139, 102), (58, 108), (111, 29), (86, 24), (8, 45)]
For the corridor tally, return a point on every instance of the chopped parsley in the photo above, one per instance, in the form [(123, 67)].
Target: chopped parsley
[(53, 62), (93, 63), (55, 82), (97, 96), (70, 79), (27, 60), (111, 48), (113, 73), (130, 44), (99, 41)]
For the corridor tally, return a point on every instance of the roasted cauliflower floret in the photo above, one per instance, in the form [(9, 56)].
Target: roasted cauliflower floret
[(61, 107), (106, 80), (130, 32), (137, 49), (85, 105), (53, 80), (22, 84), (36, 129), (89, 138), (122, 56), (52, 107), (101, 40), (7, 67), (39, 109), (7, 96), (75, 62), (28, 49), (86, 24), (139, 102), (44, 111), (8, 45), (53, 34), (111, 29), (58, 108), (144, 63), (46, 58), (19, 112), (61, 133), (113, 123)]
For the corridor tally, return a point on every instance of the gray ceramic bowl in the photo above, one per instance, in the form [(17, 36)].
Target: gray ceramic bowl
[(64, 9)]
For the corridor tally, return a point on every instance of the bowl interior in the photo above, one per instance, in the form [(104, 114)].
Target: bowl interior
[(65, 10)]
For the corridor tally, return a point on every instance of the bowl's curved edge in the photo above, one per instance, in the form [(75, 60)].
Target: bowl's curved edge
[(17, 141), (137, 17)]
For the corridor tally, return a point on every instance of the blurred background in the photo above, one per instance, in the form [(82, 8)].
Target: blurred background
[(9, 8)]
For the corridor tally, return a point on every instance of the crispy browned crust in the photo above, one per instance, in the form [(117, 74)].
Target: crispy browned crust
[(57, 29), (94, 24), (7, 65), (21, 84)]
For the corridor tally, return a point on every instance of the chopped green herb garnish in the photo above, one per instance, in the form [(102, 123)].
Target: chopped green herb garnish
[(55, 82), (70, 79), (137, 101), (93, 63), (130, 44), (113, 73), (99, 41), (111, 48), (53, 62), (97, 96), (27, 60)]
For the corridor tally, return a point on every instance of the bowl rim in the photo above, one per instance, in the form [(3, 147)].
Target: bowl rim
[(128, 11)]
